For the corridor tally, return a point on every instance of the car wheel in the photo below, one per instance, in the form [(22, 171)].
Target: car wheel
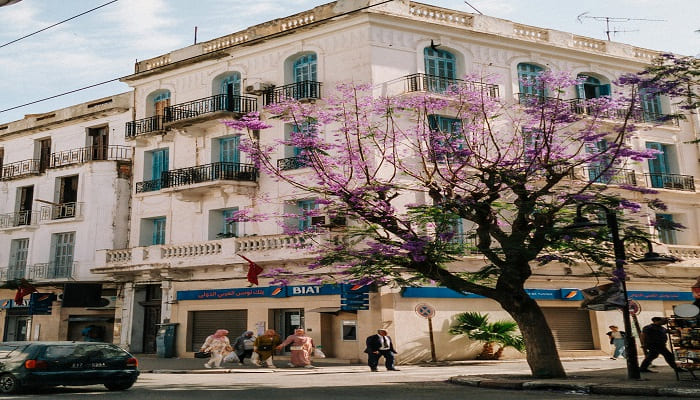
[(8, 384), (121, 385)]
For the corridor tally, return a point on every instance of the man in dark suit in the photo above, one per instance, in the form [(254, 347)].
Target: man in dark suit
[(377, 346)]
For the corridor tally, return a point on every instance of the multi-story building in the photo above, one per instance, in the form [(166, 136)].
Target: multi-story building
[(64, 193), (182, 262)]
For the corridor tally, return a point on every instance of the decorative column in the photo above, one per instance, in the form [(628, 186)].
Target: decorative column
[(166, 306), (123, 322)]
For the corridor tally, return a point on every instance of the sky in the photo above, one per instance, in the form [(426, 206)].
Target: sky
[(103, 45)]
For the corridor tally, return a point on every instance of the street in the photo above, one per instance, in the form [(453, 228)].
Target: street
[(341, 382)]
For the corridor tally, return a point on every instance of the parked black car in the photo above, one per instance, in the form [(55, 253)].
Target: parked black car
[(42, 364)]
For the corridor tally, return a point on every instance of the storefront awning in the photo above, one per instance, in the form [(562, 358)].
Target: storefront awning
[(330, 310)]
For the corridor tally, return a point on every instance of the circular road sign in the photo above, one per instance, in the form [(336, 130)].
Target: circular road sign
[(425, 310), (635, 307)]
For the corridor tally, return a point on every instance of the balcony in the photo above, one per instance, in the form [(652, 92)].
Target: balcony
[(51, 271), (13, 273), (438, 84), (20, 169), (304, 90), (61, 211), (144, 126), (219, 171), (19, 219), (209, 108), (671, 181), (611, 176), (87, 154), (290, 163)]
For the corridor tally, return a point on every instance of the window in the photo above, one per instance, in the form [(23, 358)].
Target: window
[(23, 205), (448, 132), (228, 150), (306, 208), (651, 105), (665, 228), (62, 245), (159, 165), (98, 142), (304, 68), (591, 88), (231, 88), (441, 69), (219, 227), (527, 75), (158, 231), (43, 148), (160, 101), (18, 258), (658, 166), (598, 170)]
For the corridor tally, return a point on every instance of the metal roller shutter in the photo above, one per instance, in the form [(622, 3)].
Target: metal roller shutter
[(204, 323), (571, 328)]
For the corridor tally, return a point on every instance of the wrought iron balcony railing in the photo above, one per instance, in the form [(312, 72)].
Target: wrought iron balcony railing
[(612, 176), (290, 163), (299, 91), (671, 181), (20, 218), (52, 270), (208, 105), (203, 173), (61, 211), (438, 84), (87, 154), (20, 168), (13, 272), (144, 126)]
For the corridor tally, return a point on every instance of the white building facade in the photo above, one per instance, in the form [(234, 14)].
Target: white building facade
[(182, 262), (64, 194)]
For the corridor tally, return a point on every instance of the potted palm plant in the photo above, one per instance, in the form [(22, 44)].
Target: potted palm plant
[(499, 334)]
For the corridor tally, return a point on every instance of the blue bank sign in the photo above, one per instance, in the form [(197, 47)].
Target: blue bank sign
[(270, 291), (572, 294)]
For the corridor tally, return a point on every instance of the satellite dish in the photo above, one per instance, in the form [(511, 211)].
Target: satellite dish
[(686, 310)]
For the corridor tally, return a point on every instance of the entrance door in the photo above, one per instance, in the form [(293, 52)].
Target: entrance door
[(17, 328), (287, 320), (98, 140), (151, 317)]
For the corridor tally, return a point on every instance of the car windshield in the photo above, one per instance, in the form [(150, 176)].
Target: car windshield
[(7, 351)]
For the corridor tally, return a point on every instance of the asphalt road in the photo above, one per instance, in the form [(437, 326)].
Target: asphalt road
[(328, 383)]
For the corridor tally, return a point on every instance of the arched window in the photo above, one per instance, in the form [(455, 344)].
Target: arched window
[(440, 67), (231, 84), (160, 101), (528, 73), (304, 68), (591, 88)]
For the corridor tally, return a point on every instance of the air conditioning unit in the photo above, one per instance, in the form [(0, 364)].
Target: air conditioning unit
[(257, 88), (106, 302)]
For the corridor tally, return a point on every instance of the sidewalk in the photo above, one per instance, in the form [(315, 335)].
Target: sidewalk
[(150, 363), (663, 383)]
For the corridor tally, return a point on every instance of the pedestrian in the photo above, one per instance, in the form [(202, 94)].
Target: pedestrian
[(654, 338), (265, 345), (243, 346), (218, 345), (377, 346), (301, 348), (617, 339)]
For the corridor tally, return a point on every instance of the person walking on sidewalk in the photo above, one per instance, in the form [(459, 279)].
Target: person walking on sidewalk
[(377, 346), (617, 339), (264, 345), (243, 346), (218, 345), (654, 337), (301, 348)]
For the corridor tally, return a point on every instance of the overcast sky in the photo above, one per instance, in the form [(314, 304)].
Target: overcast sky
[(104, 44)]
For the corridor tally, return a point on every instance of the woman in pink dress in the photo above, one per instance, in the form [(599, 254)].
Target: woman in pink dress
[(301, 348), (218, 345)]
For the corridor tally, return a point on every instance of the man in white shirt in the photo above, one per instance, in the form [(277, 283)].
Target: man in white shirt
[(377, 346)]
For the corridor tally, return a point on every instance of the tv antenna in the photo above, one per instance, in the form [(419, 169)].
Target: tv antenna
[(608, 20)]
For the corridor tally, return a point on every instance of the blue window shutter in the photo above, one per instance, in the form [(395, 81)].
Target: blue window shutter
[(158, 231), (529, 72), (440, 68), (580, 91), (159, 163), (231, 84), (304, 220), (666, 235), (605, 90), (228, 150), (305, 68), (229, 227), (658, 166)]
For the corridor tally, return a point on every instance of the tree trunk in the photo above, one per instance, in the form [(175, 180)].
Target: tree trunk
[(486, 352), (542, 355)]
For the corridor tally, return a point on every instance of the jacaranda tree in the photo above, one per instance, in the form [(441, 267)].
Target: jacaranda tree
[(423, 177)]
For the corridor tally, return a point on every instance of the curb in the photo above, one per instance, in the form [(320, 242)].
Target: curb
[(579, 387), (207, 371)]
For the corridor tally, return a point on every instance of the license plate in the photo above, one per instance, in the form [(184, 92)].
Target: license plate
[(88, 365)]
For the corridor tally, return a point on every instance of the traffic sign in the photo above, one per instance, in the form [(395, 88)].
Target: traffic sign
[(635, 307), (425, 310)]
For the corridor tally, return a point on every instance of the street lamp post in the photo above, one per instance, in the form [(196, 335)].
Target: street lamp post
[(620, 257)]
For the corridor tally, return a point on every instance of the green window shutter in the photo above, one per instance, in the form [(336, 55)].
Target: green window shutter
[(529, 72), (158, 231), (228, 150)]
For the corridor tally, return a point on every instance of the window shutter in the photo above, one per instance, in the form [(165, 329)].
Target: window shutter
[(605, 90)]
